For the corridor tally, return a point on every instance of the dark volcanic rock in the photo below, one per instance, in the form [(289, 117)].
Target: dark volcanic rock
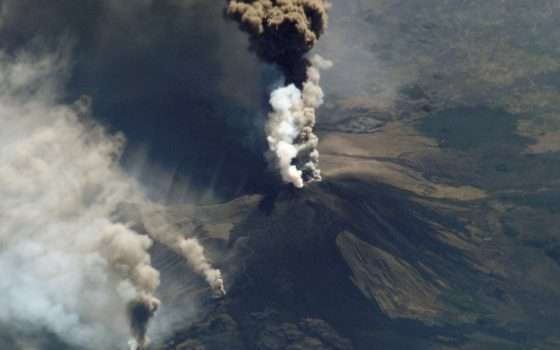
[(338, 266), (355, 264), (261, 331)]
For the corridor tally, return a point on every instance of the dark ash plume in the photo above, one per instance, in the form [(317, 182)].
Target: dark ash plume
[(282, 31), (140, 312)]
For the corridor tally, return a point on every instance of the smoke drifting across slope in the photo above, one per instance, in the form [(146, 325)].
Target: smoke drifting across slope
[(189, 248), (68, 265), (71, 265), (75, 268), (283, 32)]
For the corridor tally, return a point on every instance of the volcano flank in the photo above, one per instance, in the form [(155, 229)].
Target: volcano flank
[(349, 263)]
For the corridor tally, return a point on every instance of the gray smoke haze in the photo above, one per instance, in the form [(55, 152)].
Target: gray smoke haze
[(75, 268), (154, 70), (371, 59), (68, 266)]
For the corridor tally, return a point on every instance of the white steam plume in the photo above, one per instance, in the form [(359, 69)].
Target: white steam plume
[(68, 266), (290, 127), (190, 248)]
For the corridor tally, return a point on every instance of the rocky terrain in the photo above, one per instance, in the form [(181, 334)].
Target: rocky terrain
[(360, 264)]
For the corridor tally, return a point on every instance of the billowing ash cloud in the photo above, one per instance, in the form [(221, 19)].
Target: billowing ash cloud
[(68, 265), (282, 32)]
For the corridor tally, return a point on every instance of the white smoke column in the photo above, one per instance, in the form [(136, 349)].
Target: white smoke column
[(68, 267), (290, 127), (190, 248)]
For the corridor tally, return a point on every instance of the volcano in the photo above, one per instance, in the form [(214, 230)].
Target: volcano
[(349, 263)]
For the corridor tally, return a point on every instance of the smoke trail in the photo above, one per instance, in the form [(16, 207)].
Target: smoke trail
[(194, 253), (190, 248), (68, 265), (282, 32)]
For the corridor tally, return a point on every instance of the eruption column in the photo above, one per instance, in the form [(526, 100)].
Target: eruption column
[(282, 32), (290, 127)]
